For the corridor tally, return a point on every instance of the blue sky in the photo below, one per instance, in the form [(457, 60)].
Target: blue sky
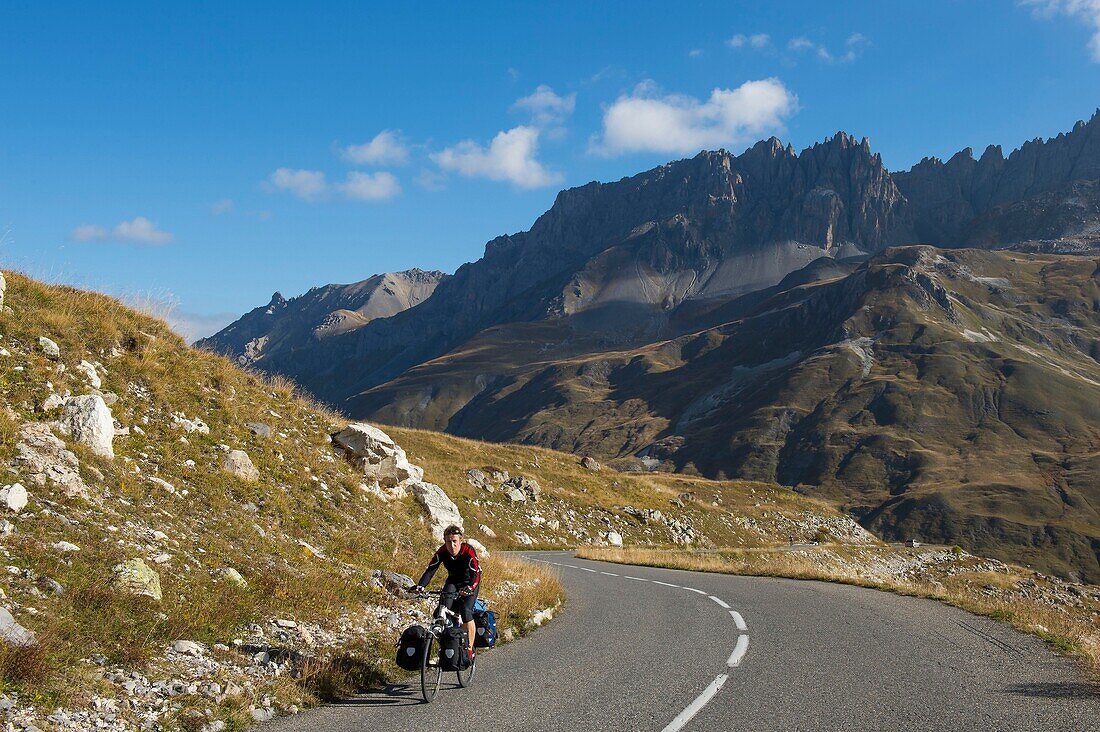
[(208, 154)]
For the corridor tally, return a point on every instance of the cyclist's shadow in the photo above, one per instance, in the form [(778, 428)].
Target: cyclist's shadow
[(388, 695)]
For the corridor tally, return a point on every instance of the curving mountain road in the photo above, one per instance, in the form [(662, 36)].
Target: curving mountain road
[(657, 649)]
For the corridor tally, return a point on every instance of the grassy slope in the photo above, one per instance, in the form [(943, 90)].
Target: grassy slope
[(211, 522)]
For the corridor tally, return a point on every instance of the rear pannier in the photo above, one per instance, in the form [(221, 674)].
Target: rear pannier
[(454, 649), (411, 647), (485, 629)]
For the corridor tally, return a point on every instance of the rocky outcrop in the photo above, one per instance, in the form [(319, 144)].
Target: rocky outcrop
[(12, 633), (380, 458), (286, 325), (1033, 194)]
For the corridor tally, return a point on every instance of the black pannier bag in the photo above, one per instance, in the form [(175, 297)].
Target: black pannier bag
[(411, 647), (485, 629), (454, 649)]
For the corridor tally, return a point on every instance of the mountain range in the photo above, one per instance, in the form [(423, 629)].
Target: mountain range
[(920, 347)]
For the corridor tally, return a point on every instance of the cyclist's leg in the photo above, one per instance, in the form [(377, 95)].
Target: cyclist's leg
[(467, 611), (448, 598)]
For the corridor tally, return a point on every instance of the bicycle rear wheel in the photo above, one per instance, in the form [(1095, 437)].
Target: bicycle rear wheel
[(430, 671), (466, 676)]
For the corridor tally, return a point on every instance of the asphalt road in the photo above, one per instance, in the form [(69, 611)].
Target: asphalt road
[(632, 654)]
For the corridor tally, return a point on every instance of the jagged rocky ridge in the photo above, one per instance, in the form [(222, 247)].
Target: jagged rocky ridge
[(689, 247), (285, 326)]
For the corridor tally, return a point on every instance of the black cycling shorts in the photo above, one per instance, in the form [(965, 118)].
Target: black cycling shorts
[(455, 603)]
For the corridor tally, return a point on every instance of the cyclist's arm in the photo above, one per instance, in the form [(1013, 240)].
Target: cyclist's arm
[(430, 571), (473, 571)]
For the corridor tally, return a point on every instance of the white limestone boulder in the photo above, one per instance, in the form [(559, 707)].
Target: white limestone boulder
[(88, 420)]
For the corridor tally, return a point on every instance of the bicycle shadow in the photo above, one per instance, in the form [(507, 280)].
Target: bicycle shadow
[(390, 695)]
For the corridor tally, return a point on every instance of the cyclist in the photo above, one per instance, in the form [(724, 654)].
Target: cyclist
[(463, 577)]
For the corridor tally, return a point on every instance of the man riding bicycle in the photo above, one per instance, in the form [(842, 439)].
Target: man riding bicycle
[(463, 577)]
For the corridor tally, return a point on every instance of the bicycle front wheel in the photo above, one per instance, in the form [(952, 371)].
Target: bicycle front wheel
[(430, 671)]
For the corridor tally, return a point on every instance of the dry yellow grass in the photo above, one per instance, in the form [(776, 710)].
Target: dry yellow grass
[(305, 495), (1072, 630)]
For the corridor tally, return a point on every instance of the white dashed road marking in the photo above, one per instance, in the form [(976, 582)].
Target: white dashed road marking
[(738, 620), (610, 574), (667, 584), (721, 603), (692, 589), (738, 651)]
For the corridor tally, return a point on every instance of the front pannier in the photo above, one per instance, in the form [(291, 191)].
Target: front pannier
[(454, 649), (411, 647)]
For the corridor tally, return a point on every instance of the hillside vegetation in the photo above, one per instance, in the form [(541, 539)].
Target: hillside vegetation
[(175, 584)]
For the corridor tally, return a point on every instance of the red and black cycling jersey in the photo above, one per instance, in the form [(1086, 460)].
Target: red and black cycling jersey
[(463, 569)]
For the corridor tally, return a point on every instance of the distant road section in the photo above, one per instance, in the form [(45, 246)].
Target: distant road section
[(666, 650)]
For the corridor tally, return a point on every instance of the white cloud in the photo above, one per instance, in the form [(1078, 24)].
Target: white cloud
[(387, 148), (223, 206), (759, 40), (511, 156), (737, 41), (547, 109), (1087, 11), (141, 231), (675, 123), (308, 185), (853, 47), (380, 186), (88, 232), (431, 180), (695, 52), (193, 326)]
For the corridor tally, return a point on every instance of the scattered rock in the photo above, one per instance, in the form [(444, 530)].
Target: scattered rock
[(138, 578), (482, 552), (238, 464), (190, 425), (49, 348), (442, 511), (187, 648), (259, 429), (589, 463), (90, 374), (64, 547), (52, 402), (88, 420), (14, 497), (478, 479), (614, 538), (47, 458), (233, 577), (13, 633), (515, 494), (489, 533), (393, 581), (528, 487)]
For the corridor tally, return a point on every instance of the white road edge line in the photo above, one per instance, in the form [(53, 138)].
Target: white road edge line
[(722, 603), (738, 620), (738, 651), (692, 589), (700, 701)]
